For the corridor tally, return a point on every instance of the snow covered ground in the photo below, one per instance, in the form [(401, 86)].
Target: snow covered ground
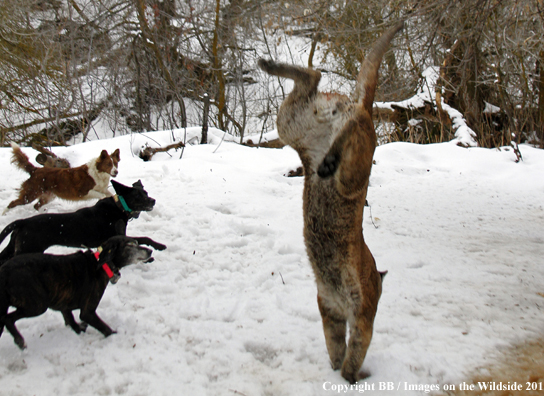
[(230, 307)]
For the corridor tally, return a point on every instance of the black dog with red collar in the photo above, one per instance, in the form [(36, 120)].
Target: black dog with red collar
[(34, 282), (113, 276)]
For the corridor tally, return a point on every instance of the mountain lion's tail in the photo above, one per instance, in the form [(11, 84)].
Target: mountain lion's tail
[(367, 79)]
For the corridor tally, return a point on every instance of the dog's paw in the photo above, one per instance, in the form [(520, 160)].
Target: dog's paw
[(109, 333), (159, 246), (329, 166), (20, 342), (83, 326)]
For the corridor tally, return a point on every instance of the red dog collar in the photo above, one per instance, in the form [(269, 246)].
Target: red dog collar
[(105, 266)]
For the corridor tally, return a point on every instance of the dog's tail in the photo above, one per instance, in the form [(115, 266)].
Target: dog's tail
[(4, 303), (368, 76), (9, 250), (21, 160), (9, 229)]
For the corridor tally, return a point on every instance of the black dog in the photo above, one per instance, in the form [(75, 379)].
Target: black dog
[(86, 227), (36, 281)]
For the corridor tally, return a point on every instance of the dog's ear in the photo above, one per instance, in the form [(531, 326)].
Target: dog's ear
[(138, 184), (115, 185), (116, 155), (382, 274), (120, 189), (104, 154)]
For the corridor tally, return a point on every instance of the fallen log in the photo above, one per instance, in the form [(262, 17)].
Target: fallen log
[(48, 159), (148, 152)]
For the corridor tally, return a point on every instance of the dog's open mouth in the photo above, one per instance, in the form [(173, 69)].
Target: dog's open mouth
[(147, 208), (136, 213), (144, 255)]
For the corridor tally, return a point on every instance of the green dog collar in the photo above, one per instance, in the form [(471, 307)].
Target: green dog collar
[(124, 204)]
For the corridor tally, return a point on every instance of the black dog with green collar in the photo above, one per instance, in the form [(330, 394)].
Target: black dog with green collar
[(86, 227)]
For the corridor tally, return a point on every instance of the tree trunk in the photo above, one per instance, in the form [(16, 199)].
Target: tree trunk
[(205, 115), (151, 42), (442, 81), (217, 68), (540, 124)]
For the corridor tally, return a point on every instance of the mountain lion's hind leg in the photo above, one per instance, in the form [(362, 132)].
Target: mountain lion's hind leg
[(334, 327)]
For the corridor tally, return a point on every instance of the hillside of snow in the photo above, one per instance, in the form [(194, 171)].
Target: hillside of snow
[(230, 307)]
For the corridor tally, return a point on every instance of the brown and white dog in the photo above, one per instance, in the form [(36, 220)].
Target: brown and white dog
[(73, 184)]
